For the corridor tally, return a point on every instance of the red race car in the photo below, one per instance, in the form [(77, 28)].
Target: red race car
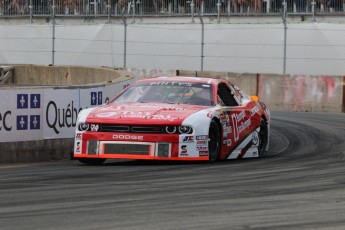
[(174, 118)]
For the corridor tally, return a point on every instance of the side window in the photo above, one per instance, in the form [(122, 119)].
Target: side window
[(226, 95)]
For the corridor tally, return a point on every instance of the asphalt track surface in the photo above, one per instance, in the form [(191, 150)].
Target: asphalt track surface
[(299, 185)]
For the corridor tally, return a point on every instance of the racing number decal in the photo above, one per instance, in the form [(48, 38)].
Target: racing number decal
[(236, 131)]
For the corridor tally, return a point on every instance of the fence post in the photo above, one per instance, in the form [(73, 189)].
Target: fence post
[(31, 11), (202, 44), (285, 35), (53, 37), (124, 41), (313, 9), (133, 8), (108, 11), (218, 11), (192, 9)]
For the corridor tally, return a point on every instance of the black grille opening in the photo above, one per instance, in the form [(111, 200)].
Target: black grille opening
[(114, 128), (147, 129), (127, 149), (130, 129)]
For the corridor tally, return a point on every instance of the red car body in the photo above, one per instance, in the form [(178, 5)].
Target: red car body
[(174, 118)]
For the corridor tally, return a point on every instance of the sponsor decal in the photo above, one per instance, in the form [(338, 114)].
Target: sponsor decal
[(35, 101), (4, 123), (254, 110), (239, 127), (203, 153), (28, 102), (78, 136), (141, 115), (58, 118), (78, 147), (228, 129), (202, 137), (227, 142), (188, 139), (128, 137), (107, 114), (241, 115), (94, 128), (202, 142), (96, 98), (255, 137), (22, 122), (202, 148), (35, 122), (244, 125), (184, 151), (22, 101), (188, 84)]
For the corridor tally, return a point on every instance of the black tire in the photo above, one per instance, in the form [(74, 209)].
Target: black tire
[(214, 142), (263, 138), (92, 161)]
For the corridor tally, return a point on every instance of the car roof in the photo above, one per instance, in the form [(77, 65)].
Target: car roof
[(203, 80)]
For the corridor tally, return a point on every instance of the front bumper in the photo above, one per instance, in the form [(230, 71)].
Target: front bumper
[(143, 146)]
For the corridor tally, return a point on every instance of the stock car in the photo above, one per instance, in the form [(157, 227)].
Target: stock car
[(174, 118)]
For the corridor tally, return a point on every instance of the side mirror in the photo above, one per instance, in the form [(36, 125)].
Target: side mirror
[(254, 98)]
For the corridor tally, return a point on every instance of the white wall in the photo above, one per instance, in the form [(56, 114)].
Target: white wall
[(312, 48)]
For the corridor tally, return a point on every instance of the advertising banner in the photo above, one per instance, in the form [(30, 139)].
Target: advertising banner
[(48, 113), (61, 108), (20, 115), (62, 105)]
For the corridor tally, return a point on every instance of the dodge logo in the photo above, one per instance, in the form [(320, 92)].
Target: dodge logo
[(128, 137)]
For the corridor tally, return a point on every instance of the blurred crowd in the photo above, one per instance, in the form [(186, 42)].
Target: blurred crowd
[(85, 7)]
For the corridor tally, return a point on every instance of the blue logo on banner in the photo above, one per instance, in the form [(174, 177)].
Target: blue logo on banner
[(93, 98), (22, 101), (100, 98), (35, 101), (35, 122), (22, 122)]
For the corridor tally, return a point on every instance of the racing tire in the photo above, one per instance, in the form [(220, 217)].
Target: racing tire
[(91, 161), (263, 138), (214, 142)]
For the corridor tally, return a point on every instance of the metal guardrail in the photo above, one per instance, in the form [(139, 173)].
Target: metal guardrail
[(168, 7)]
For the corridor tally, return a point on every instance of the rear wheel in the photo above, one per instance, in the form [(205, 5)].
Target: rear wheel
[(213, 142), (263, 138), (92, 161)]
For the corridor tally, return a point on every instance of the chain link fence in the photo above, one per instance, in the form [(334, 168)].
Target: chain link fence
[(168, 7)]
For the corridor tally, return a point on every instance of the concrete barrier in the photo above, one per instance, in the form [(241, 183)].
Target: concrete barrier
[(302, 93), (288, 92), (65, 75)]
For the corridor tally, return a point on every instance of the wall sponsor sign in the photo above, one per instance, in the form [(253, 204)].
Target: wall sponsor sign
[(48, 113), (21, 115), (61, 108)]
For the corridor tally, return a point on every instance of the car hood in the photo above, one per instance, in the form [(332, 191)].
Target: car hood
[(142, 113)]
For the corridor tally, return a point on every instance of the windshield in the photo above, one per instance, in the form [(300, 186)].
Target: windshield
[(168, 92)]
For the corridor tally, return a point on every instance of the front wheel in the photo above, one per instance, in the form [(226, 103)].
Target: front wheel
[(213, 142), (263, 138), (92, 161)]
